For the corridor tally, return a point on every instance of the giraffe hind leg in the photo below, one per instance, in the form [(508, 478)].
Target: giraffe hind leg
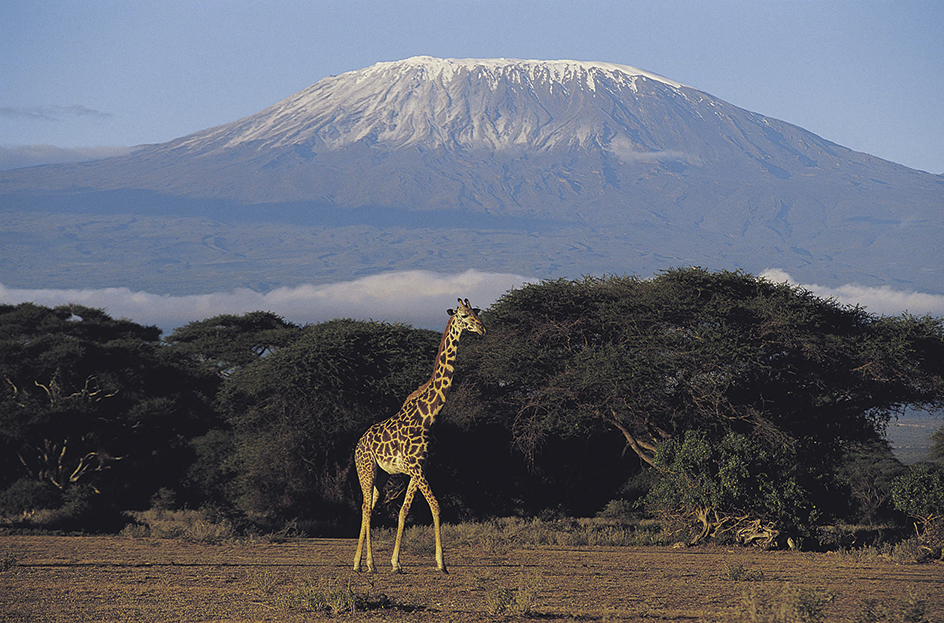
[(427, 492), (418, 482), (407, 501), (366, 472)]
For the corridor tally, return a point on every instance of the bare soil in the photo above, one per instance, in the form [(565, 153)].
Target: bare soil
[(114, 578)]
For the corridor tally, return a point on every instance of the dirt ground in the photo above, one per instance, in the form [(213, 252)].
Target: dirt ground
[(102, 578)]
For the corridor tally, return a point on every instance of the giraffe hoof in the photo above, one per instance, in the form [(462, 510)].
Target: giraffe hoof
[(444, 570)]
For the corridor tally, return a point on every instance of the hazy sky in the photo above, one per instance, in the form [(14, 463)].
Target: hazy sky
[(88, 73)]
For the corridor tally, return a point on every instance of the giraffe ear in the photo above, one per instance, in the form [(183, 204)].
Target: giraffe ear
[(476, 311), (450, 311)]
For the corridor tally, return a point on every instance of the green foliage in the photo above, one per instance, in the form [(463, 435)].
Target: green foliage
[(90, 402), (27, 495), (227, 343), (751, 398), (692, 349), (297, 413), (868, 471), (919, 492), (736, 476)]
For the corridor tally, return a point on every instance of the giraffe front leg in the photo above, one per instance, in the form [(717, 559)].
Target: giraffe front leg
[(407, 500)]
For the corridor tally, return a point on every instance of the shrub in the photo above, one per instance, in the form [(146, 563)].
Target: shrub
[(919, 493), (188, 525), (520, 600), (910, 609), (739, 573), (793, 606), (27, 495), (729, 484), (330, 596)]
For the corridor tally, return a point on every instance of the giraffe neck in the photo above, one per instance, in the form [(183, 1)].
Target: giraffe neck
[(429, 398)]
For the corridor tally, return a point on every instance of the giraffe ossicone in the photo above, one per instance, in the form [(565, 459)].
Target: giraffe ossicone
[(398, 445)]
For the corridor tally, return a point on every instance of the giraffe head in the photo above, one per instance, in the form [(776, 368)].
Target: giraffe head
[(467, 318)]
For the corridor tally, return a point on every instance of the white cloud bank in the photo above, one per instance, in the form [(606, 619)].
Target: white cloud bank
[(883, 300), (416, 297)]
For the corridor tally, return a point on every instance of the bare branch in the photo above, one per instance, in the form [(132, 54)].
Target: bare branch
[(644, 450)]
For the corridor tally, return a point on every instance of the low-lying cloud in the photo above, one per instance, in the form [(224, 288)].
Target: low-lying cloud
[(416, 297), (882, 300)]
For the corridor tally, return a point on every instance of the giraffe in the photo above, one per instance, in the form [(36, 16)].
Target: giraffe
[(398, 445)]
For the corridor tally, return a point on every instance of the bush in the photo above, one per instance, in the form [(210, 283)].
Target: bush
[(730, 487), (27, 495), (919, 493), (188, 525), (793, 606)]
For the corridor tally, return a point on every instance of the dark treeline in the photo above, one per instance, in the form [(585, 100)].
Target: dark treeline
[(716, 398)]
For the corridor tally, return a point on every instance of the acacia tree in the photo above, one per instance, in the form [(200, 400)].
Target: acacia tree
[(297, 413), (691, 349), (228, 342), (90, 401)]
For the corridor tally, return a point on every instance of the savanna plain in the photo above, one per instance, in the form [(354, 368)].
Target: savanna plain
[(128, 578)]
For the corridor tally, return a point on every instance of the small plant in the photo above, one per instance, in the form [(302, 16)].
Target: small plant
[(7, 562), (267, 582), (331, 597), (739, 573), (811, 605), (870, 611), (499, 600), (518, 601), (909, 550), (911, 609), (794, 606), (135, 531)]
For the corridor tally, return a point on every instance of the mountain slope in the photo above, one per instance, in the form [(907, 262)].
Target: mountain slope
[(630, 164)]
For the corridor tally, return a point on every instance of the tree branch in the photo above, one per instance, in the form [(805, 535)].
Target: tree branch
[(645, 451)]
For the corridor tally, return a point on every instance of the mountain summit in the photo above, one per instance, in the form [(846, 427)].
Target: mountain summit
[(618, 170), (451, 104)]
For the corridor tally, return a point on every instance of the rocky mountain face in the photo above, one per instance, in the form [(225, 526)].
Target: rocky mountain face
[(542, 168)]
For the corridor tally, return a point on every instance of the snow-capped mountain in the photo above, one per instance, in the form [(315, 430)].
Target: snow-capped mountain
[(431, 103), (617, 169)]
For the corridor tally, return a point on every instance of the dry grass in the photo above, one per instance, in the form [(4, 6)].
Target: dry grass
[(189, 525), (152, 579)]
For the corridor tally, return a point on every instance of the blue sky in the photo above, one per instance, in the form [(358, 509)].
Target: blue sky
[(866, 74)]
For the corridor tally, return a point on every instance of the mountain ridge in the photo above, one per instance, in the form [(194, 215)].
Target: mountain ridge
[(500, 149)]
